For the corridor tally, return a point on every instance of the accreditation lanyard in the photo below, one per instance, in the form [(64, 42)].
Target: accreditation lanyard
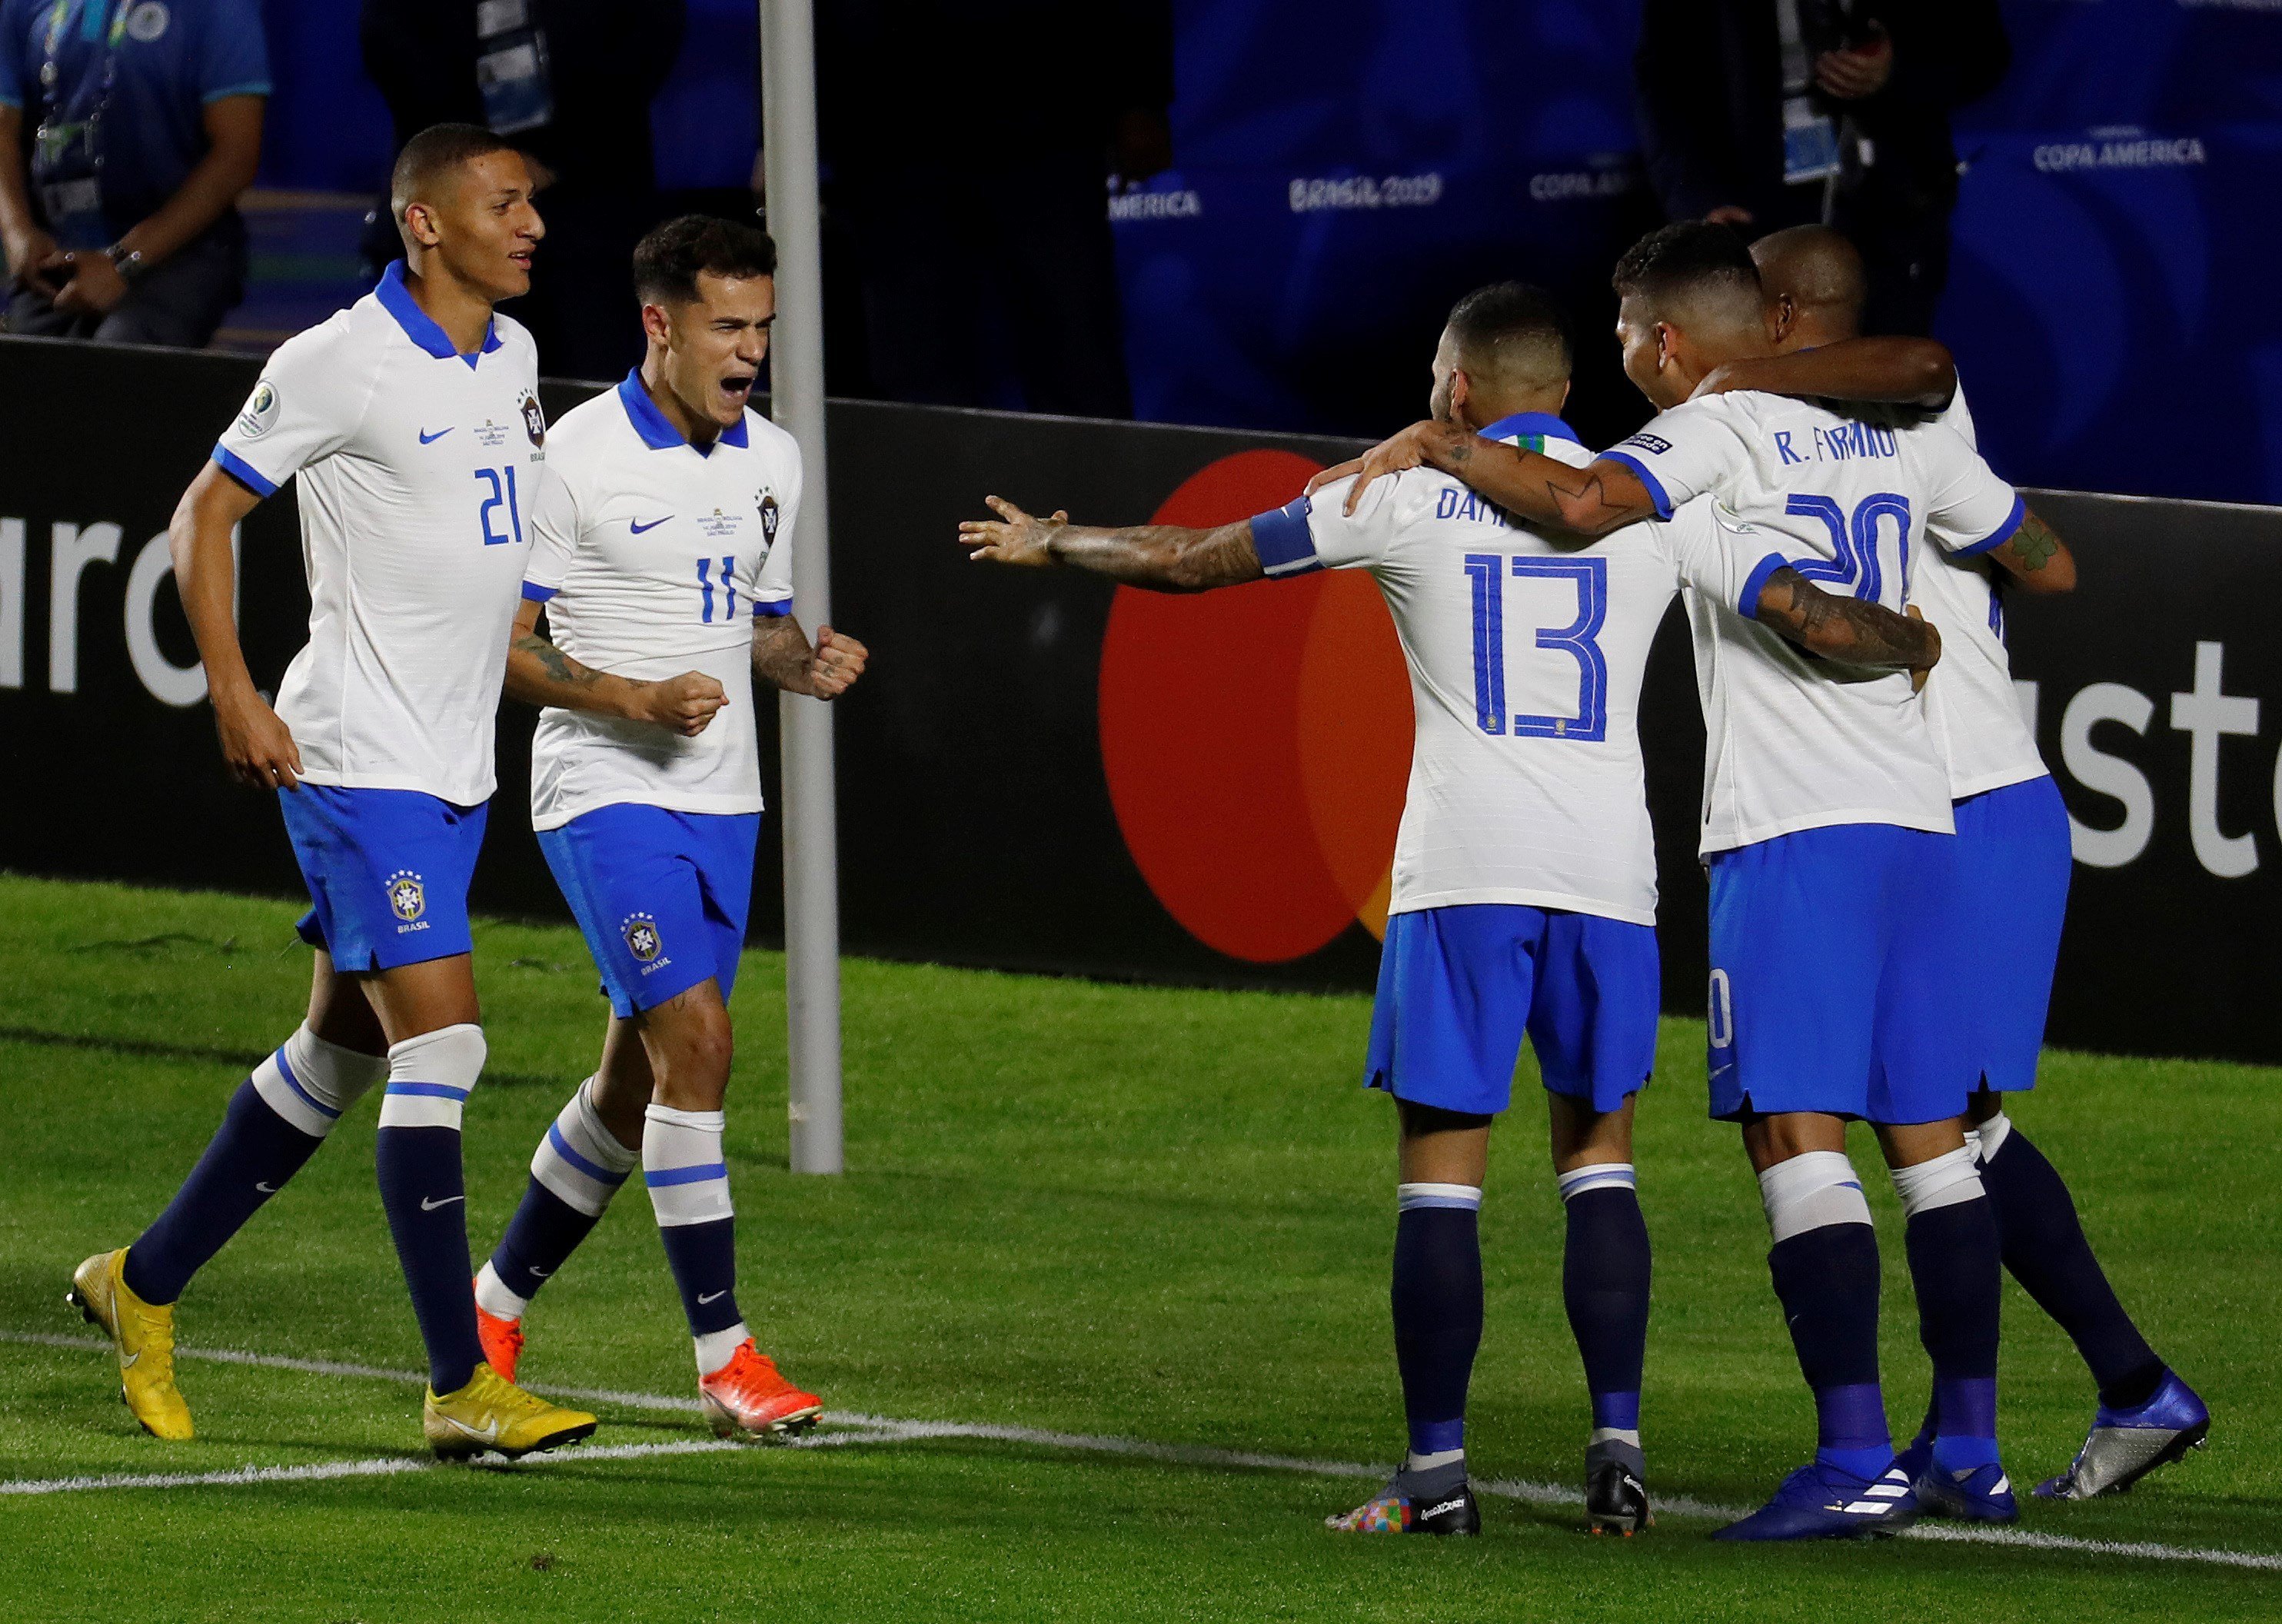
[(1810, 134), (67, 149)]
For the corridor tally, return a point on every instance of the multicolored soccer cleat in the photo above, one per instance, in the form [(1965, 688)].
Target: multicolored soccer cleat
[(142, 1335), (1616, 1489), (503, 1341), (2125, 1445), (1821, 1502), (748, 1398), (491, 1414), (1982, 1495), (1393, 1511)]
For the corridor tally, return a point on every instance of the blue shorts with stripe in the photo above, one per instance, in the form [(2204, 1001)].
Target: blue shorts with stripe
[(1832, 988), (2011, 898), (1460, 987), (661, 897), (387, 872)]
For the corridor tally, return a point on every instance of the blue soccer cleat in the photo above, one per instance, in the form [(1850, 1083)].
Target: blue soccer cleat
[(2125, 1445), (1822, 1501), (1983, 1494)]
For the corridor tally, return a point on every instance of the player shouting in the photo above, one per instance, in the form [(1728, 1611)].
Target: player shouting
[(412, 422), (2013, 867), (1523, 894), (1827, 831), (662, 555)]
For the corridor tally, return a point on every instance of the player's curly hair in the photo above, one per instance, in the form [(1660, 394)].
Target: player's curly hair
[(668, 260), (1686, 257)]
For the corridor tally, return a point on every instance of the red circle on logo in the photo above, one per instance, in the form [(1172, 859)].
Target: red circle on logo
[(1257, 739)]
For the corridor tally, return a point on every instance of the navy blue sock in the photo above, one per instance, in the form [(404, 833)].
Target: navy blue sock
[(1437, 1299), (1604, 1283), (539, 1238), (248, 1161), (703, 1257), (2044, 1246), (424, 1191), (1827, 1281), (1952, 1252)]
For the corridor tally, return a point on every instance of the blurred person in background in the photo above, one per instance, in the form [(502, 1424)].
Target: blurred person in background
[(1768, 113), (570, 82), (127, 129), (969, 146)]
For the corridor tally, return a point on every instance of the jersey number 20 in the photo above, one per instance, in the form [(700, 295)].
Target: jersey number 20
[(1487, 574)]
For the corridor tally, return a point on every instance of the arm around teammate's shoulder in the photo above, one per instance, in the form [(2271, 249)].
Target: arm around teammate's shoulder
[(1161, 557), (1594, 500)]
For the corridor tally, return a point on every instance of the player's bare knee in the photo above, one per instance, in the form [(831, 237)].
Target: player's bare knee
[(1778, 1136), (1583, 1137), (1909, 1144)]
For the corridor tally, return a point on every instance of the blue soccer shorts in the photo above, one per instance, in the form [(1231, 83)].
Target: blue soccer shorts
[(2013, 867), (1833, 986), (387, 872), (661, 897), (1459, 987)]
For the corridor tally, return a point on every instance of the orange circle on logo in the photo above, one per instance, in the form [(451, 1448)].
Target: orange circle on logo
[(1256, 739)]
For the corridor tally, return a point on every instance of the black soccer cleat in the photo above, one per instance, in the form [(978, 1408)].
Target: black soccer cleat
[(1616, 1489)]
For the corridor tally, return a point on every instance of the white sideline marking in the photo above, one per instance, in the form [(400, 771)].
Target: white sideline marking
[(847, 1427)]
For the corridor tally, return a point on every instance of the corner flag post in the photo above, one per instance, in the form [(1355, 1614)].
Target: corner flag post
[(811, 846)]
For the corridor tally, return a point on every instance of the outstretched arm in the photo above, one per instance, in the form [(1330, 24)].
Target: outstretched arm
[(1586, 501), (539, 673), (2036, 557), (1846, 629), (1161, 557), (1896, 371)]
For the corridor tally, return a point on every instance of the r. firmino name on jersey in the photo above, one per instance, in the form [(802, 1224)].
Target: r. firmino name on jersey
[(1849, 442)]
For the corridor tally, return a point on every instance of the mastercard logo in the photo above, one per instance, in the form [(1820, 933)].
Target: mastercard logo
[(1257, 739)]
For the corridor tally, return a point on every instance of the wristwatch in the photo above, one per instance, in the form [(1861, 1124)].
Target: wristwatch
[(129, 262)]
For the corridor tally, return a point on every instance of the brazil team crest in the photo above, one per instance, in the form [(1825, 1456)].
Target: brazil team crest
[(535, 421), (642, 939), (768, 516), (408, 897)]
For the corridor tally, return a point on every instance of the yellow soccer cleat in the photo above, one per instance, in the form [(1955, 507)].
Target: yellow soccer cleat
[(143, 1334), (492, 1413)]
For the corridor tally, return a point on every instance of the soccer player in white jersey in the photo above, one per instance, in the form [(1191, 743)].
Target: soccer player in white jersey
[(2012, 860), (1524, 891), (1826, 832), (662, 556), (412, 422)]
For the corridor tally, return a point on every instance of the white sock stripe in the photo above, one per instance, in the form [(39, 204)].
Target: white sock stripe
[(1464, 1197), (1992, 1135), (431, 1076), (1948, 1180), (1596, 1176), (594, 1138), (493, 1297), (716, 1348), (1812, 1190), (338, 1077), (683, 1167)]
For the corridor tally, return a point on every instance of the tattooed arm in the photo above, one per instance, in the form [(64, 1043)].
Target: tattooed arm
[(1848, 629), (783, 658), (1162, 557), (2036, 557), (1586, 501), (539, 673), (1917, 372)]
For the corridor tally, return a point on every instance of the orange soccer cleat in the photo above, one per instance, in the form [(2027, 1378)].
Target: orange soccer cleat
[(747, 1398), (503, 1341)]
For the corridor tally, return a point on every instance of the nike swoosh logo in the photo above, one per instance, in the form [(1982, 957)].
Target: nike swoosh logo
[(638, 526), (426, 439), (541, 1273), (702, 1299), (488, 1433), (428, 1205), (265, 1189), (130, 1361)]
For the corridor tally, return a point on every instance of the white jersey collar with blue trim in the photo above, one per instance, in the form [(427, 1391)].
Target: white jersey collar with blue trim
[(657, 432), (1544, 426), (418, 325)]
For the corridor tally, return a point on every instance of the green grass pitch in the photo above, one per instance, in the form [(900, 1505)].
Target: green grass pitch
[(1123, 1212)]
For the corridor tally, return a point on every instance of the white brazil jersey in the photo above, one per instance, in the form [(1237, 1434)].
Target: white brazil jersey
[(653, 558), (1525, 661), (419, 469), (1969, 698), (1753, 482)]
